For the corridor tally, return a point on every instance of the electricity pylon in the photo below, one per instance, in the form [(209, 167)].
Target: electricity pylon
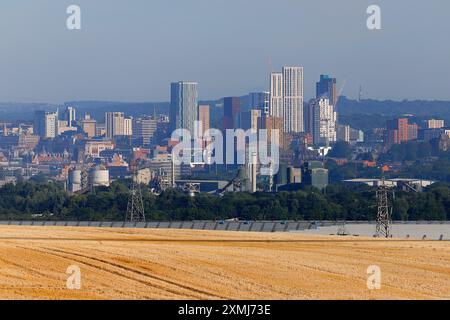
[(135, 207), (384, 212)]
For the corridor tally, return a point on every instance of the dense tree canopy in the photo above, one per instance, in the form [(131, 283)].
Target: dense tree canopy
[(32, 200), (341, 149), (410, 151)]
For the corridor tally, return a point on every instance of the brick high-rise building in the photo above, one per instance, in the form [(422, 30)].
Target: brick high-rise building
[(413, 131), (399, 131), (271, 124), (204, 118)]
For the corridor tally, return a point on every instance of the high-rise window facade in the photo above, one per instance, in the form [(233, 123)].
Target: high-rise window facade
[(115, 124), (286, 98), (276, 95), (184, 105), (324, 126), (45, 124)]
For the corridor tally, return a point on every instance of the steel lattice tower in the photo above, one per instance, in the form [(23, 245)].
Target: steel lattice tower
[(384, 212), (135, 207)]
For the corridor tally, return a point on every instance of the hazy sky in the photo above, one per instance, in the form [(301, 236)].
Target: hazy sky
[(130, 50)]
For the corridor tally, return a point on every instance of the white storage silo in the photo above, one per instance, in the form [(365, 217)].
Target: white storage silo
[(99, 176), (74, 180)]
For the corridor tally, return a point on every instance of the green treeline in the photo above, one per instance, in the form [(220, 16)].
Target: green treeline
[(49, 201)]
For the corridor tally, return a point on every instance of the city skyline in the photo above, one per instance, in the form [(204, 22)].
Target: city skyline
[(130, 53), (225, 151)]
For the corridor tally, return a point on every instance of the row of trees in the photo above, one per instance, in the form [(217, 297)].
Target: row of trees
[(33, 200)]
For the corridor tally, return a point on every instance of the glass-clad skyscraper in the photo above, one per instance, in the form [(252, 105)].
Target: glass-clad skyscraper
[(184, 105)]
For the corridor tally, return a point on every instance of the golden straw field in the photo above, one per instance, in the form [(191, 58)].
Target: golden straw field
[(187, 264)]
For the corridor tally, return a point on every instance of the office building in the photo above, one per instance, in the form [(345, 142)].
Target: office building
[(70, 116), (89, 126), (118, 125), (324, 122), (184, 105), (326, 89), (45, 124), (430, 134), (144, 130), (343, 133), (128, 126), (308, 115), (276, 95), (356, 135), (286, 98), (260, 101), (100, 130), (63, 129), (434, 124), (293, 99), (399, 131), (114, 122), (231, 110), (249, 119)]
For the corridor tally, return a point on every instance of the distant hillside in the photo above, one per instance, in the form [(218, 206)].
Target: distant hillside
[(363, 115), (97, 109), (419, 108), (368, 114), (22, 111)]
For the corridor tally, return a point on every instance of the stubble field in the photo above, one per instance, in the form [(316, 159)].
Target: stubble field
[(182, 264)]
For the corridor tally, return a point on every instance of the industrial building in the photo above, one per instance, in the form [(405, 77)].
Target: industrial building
[(311, 173), (314, 174), (405, 184)]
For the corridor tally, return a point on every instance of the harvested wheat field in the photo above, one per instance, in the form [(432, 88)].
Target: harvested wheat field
[(181, 264)]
